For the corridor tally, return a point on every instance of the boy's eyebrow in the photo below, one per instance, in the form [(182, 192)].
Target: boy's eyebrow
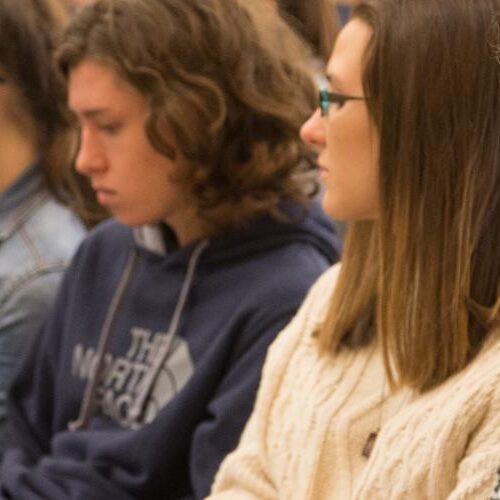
[(87, 113)]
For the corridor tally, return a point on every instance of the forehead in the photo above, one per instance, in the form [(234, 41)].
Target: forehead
[(346, 62), (93, 84)]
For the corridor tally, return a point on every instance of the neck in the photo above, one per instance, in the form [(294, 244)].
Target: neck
[(17, 153), (187, 227)]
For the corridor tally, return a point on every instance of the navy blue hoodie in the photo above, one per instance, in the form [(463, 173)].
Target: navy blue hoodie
[(146, 371)]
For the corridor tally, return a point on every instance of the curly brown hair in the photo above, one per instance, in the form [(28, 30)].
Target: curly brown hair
[(315, 20), (230, 83)]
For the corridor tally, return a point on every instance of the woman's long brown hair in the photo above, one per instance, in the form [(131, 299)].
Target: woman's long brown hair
[(424, 279)]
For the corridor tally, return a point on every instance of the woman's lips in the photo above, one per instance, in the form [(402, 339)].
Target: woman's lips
[(104, 196), (323, 171)]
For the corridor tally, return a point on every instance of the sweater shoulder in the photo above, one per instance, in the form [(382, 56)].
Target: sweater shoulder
[(301, 328)]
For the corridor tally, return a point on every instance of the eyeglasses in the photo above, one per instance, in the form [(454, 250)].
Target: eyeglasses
[(325, 98)]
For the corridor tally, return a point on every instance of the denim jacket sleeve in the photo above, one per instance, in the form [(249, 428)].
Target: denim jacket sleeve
[(22, 312), (38, 237)]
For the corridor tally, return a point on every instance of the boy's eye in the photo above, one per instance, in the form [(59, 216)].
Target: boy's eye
[(74, 122), (109, 128)]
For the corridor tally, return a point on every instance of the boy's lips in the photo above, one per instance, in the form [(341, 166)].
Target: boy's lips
[(103, 189)]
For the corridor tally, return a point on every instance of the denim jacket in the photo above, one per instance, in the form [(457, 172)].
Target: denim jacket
[(38, 236)]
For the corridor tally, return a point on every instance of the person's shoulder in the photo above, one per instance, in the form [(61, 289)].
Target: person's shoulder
[(106, 243), (298, 336), (314, 306), (311, 225), (320, 294), (284, 258), (52, 233), (280, 279), (29, 297), (38, 249), (328, 280), (109, 231), (477, 385)]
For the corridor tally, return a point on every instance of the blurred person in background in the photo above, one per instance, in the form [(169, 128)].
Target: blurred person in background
[(315, 21), (147, 368), (74, 5), (40, 199)]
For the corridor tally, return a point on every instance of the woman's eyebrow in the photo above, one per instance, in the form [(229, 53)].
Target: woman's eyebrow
[(334, 81)]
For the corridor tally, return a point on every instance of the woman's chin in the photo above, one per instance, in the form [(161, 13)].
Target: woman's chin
[(342, 210)]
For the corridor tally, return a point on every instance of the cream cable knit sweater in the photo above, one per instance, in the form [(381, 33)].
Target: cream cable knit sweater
[(313, 415)]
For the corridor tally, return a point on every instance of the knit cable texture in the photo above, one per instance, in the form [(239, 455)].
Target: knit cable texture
[(314, 412)]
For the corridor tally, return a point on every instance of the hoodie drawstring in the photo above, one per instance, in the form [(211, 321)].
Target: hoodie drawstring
[(164, 351), (89, 398), (88, 402)]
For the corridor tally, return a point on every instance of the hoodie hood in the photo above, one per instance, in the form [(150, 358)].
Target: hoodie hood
[(306, 224)]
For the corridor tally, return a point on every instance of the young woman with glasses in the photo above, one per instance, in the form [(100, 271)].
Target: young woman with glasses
[(386, 385)]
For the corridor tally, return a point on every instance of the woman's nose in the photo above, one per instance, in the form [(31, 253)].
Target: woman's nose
[(313, 130)]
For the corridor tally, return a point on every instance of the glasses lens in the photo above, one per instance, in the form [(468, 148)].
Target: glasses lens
[(323, 101)]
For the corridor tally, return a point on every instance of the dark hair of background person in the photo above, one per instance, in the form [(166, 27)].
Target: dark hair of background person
[(228, 98), (316, 21), (426, 275), (29, 30)]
